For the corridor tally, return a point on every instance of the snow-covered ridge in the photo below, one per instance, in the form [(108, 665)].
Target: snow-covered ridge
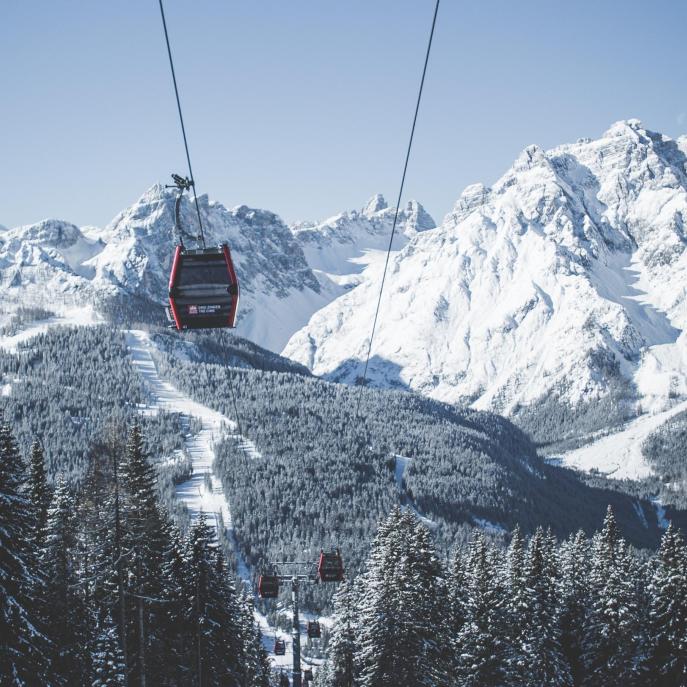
[(568, 276), (54, 261)]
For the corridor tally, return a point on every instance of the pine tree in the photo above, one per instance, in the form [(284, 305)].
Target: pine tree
[(144, 538), (427, 623), (399, 634), (573, 591), (612, 631), (22, 648), (108, 662), (342, 640), (667, 659), (211, 621), (39, 492), (66, 618), (480, 643), (256, 670), (544, 662), (516, 607), (380, 637)]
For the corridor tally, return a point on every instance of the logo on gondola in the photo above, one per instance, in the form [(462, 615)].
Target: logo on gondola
[(203, 309)]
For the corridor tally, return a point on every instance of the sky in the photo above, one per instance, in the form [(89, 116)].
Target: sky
[(304, 107)]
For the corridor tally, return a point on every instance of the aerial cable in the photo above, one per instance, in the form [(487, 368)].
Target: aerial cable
[(398, 204), (181, 121)]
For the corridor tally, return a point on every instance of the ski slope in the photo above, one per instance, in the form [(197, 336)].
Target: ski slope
[(620, 455), (204, 491)]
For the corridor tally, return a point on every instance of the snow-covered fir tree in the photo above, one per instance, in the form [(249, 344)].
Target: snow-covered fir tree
[(23, 644), (481, 644), (108, 667), (613, 631), (214, 631), (666, 662), (39, 491), (544, 662), (342, 640), (573, 594)]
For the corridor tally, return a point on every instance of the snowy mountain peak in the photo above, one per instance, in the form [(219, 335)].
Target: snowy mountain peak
[(566, 279), (374, 205)]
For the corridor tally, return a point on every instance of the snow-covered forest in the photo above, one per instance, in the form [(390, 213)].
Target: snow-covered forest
[(584, 611), (100, 588)]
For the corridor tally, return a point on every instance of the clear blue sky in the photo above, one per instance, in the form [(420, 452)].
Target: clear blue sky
[(304, 107)]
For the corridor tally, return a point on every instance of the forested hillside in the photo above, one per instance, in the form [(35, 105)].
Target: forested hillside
[(98, 587), (584, 611), (326, 475)]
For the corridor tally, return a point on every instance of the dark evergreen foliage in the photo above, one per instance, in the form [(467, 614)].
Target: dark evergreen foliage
[(22, 645), (115, 596), (567, 615)]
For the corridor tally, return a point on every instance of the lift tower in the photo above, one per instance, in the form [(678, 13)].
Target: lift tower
[(329, 568)]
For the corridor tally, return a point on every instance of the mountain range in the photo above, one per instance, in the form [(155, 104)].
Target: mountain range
[(564, 282)]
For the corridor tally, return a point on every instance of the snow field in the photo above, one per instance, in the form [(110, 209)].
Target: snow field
[(619, 455)]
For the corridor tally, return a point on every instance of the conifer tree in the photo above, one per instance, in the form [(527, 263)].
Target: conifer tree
[(23, 644), (380, 638), (611, 632), (342, 640), (516, 606), (667, 656), (66, 616), (145, 541), (544, 662), (108, 662), (481, 646), (211, 622), (573, 592), (256, 671), (39, 492)]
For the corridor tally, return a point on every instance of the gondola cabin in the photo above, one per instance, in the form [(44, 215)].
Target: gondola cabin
[(279, 647), (330, 567), (314, 629), (308, 674), (268, 587), (203, 288)]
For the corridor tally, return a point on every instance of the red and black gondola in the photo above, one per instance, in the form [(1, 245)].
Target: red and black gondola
[(330, 567), (314, 629), (203, 288), (268, 587)]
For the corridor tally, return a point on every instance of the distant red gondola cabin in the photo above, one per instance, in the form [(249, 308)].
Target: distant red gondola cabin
[(279, 647), (330, 567), (314, 629), (203, 288), (268, 587)]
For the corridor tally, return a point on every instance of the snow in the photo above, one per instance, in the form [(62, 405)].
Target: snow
[(568, 270), (5, 389), (619, 455), (195, 493), (70, 316), (400, 464), (488, 526), (661, 519)]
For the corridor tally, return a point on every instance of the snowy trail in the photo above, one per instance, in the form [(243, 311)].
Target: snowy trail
[(620, 455), (204, 489)]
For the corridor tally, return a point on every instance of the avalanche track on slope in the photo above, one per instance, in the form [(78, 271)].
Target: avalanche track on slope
[(620, 455)]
